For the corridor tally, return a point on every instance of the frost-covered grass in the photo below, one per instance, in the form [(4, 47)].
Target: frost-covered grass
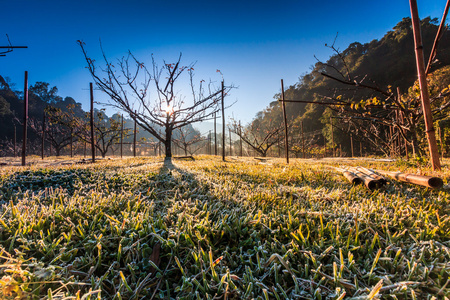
[(138, 229)]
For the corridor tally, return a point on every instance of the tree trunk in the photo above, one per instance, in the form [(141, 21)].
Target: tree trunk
[(168, 142)]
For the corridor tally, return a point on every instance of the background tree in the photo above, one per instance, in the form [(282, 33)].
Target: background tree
[(129, 84), (186, 138), (261, 134), (368, 74), (106, 129)]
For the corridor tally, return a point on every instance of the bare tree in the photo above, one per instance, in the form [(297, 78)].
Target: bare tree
[(260, 137), (186, 138), (107, 130), (128, 85), (374, 117)]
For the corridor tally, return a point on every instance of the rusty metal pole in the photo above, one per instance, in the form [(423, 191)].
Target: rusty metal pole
[(428, 117), (285, 122), (223, 124), (91, 88), (43, 137), (25, 120), (121, 138)]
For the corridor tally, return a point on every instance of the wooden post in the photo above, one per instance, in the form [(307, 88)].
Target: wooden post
[(285, 122), (332, 135), (351, 143), (398, 141), (223, 123), (121, 138), (391, 140), (442, 143), (15, 141), (134, 138), (91, 88), (279, 149), (231, 145), (215, 135), (71, 141), (43, 137), (340, 150), (210, 143), (360, 149), (428, 117), (240, 139), (303, 141), (25, 120)]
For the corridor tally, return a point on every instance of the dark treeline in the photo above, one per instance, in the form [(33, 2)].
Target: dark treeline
[(66, 121), (384, 65)]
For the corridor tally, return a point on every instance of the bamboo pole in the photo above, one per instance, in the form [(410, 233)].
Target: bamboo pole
[(438, 37), (370, 182), (428, 181), (285, 122), (372, 174), (428, 117), (355, 180)]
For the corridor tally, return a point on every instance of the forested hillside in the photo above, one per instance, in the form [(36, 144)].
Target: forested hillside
[(66, 121), (384, 65)]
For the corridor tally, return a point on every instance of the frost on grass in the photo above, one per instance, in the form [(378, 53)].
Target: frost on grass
[(135, 229)]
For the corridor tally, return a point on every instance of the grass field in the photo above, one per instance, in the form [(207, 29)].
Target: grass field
[(140, 229)]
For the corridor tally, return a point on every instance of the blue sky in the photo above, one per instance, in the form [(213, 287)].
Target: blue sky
[(253, 43)]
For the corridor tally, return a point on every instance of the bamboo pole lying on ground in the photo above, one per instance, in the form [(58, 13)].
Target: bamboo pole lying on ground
[(372, 174), (355, 180), (369, 181), (428, 181)]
